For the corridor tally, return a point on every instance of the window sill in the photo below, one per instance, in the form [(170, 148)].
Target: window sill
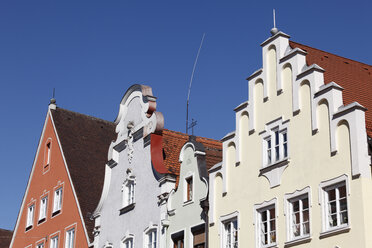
[(188, 202), (334, 231), (28, 228), (274, 245), (56, 212), (127, 208), (41, 221), (274, 165), (297, 241)]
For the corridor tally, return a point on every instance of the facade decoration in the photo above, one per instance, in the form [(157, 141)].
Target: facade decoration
[(64, 180), (296, 171), (187, 204)]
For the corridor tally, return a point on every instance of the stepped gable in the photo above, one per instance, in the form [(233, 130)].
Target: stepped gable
[(5, 238), (355, 77), (173, 142), (85, 142)]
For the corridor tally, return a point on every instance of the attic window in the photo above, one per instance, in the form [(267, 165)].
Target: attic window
[(346, 62), (47, 155)]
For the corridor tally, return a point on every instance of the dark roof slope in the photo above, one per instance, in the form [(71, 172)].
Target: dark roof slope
[(5, 238), (85, 142), (353, 76), (173, 142)]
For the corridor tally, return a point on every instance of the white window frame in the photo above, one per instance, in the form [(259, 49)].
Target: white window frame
[(70, 238), (289, 198), (57, 199), (260, 209), (127, 238), (278, 143), (324, 187), (43, 208), (185, 188), (41, 245), (54, 242), (129, 191), (149, 231), (229, 219), (30, 215)]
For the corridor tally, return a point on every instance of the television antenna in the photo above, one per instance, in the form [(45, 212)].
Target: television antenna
[(188, 94)]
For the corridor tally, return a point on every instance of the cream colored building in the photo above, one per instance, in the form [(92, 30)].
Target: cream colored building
[(296, 171)]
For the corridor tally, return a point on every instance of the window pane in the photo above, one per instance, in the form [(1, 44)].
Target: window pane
[(276, 137), (272, 213), (333, 220), (331, 195), (305, 203), (343, 218), (296, 206), (343, 205), (305, 215), (306, 228), (342, 191)]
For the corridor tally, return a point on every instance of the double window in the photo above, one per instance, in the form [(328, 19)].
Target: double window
[(267, 226), (336, 206), (276, 146), (230, 237), (57, 203), (299, 217)]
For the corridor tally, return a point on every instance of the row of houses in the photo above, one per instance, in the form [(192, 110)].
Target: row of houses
[(296, 171)]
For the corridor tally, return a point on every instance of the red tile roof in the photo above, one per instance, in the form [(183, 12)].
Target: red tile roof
[(5, 238), (85, 142), (353, 76), (173, 142)]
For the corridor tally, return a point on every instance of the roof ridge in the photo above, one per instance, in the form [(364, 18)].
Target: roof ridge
[(183, 134), (355, 61), (85, 115)]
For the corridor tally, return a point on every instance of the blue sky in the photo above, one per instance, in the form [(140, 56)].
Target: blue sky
[(92, 51)]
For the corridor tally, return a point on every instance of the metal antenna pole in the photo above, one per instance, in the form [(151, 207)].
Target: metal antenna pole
[(274, 18), (192, 77)]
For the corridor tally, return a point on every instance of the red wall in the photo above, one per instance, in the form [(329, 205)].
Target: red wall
[(45, 181)]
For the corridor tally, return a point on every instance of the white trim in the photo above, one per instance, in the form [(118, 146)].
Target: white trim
[(296, 195), (29, 179), (70, 180)]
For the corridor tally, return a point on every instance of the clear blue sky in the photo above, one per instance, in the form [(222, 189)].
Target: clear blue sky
[(92, 51)]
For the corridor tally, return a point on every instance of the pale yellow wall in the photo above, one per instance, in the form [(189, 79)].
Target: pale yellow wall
[(310, 164)]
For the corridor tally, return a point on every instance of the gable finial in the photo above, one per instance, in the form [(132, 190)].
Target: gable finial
[(52, 103), (274, 30)]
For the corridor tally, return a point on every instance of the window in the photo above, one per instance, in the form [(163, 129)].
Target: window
[(230, 234), (30, 216), (299, 217), (151, 237), (43, 208), (189, 189), (40, 245), (128, 193), (334, 201), (57, 204), (267, 226), (47, 162), (336, 205), (128, 243), (198, 234), (178, 240), (54, 242), (276, 146), (70, 235)]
